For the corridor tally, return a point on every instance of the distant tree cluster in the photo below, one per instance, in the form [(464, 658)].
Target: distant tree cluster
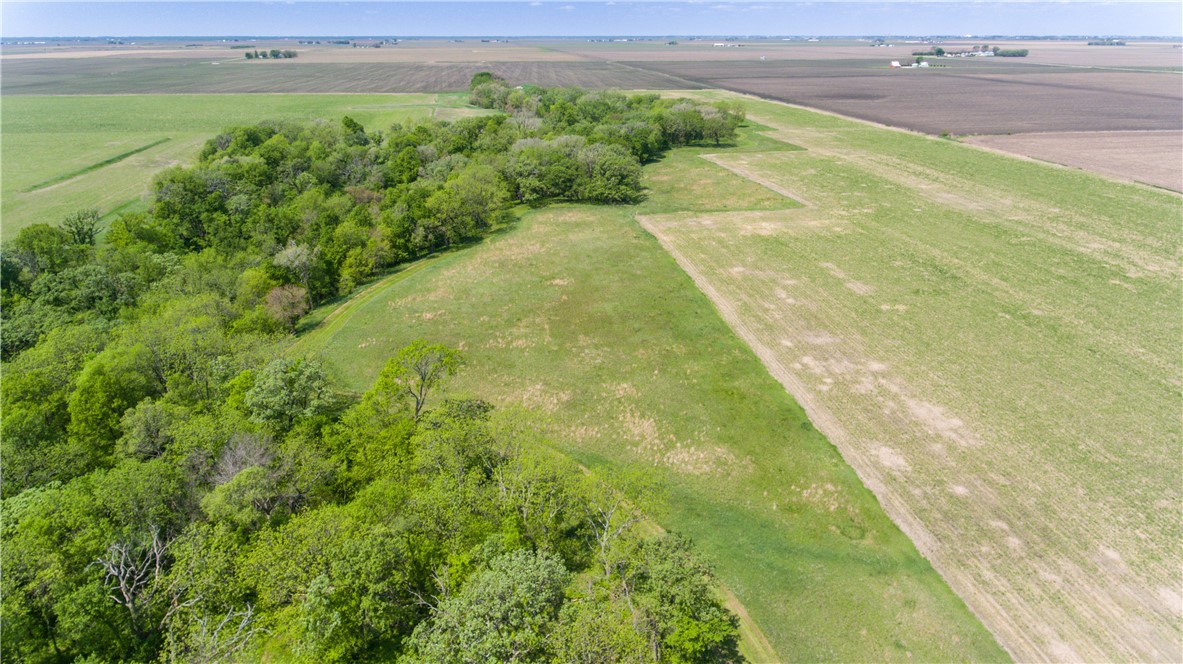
[(1106, 42), (273, 54), (984, 49), (645, 125), (177, 488)]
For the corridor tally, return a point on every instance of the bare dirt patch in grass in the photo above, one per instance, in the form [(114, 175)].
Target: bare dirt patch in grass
[(1150, 157)]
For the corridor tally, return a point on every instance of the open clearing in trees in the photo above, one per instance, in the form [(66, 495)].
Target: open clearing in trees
[(579, 314), (994, 345)]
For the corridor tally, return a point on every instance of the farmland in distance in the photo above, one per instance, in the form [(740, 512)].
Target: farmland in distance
[(411, 67), (65, 153), (966, 98), (994, 345), (1151, 157), (1060, 95)]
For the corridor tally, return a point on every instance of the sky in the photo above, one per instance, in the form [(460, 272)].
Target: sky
[(589, 18)]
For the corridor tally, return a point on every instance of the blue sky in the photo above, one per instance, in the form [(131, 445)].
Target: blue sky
[(590, 17)]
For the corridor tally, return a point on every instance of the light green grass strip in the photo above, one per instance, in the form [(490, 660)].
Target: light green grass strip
[(93, 167), (337, 318)]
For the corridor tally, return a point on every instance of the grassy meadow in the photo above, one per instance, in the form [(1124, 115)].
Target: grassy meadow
[(61, 154), (579, 314), (994, 344)]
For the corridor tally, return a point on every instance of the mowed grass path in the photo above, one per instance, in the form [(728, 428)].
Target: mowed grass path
[(580, 315), (49, 139), (996, 345)]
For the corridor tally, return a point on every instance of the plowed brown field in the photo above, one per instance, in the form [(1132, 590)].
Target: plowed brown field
[(964, 98), (1150, 157)]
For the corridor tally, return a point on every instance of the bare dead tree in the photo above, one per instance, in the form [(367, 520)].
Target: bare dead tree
[(242, 451), (609, 515), (137, 579), (218, 638), (441, 577)]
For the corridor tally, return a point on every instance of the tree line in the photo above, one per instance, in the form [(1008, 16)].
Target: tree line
[(976, 50), (274, 54), (175, 488), (306, 212)]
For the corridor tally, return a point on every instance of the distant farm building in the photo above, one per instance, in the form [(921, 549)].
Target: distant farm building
[(895, 64)]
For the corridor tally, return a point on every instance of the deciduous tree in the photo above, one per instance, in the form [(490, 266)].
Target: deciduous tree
[(504, 614), (287, 390), (83, 226), (417, 371)]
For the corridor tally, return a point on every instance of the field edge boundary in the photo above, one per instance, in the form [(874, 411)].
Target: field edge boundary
[(93, 167), (822, 419)]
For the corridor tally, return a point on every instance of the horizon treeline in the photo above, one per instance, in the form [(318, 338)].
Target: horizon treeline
[(175, 488)]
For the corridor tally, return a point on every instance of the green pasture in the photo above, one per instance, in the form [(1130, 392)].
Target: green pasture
[(684, 182), (579, 314), (61, 154)]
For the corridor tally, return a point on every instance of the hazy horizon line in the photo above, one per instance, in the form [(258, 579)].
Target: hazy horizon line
[(727, 36), (144, 19)]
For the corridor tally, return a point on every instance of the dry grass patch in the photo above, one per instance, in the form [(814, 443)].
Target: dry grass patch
[(592, 325)]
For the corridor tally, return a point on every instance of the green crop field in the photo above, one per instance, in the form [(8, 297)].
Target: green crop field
[(994, 344), (579, 314), (61, 154), (163, 75)]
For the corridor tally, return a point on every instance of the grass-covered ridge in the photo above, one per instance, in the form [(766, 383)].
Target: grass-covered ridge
[(578, 313)]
